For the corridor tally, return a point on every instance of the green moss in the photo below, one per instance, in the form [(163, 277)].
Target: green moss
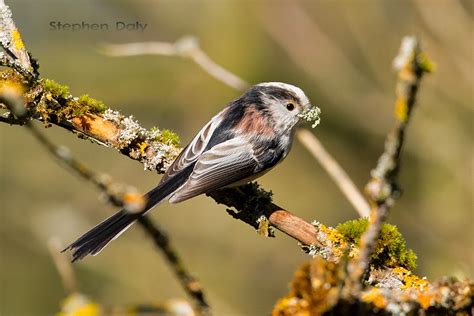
[(168, 137), (57, 90), (59, 102), (391, 248), (91, 104)]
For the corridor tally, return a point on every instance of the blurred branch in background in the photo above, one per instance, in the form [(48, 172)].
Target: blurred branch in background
[(335, 171), (190, 284), (319, 55), (383, 189), (63, 265), (188, 47), (78, 303)]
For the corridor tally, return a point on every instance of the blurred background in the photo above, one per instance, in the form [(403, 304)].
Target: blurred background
[(338, 52)]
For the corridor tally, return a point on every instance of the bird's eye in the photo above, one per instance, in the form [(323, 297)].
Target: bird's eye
[(290, 106)]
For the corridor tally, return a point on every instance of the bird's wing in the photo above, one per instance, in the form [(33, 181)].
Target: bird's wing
[(227, 163), (194, 149)]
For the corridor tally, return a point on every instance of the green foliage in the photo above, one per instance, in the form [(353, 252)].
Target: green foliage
[(391, 248)]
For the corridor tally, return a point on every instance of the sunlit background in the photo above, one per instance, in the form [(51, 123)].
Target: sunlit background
[(339, 53)]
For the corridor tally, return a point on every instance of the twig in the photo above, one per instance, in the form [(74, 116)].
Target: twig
[(335, 171), (188, 47), (190, 284), (382, 189), (63, 265)]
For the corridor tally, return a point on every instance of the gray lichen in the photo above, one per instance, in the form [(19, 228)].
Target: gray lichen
[(311, 115), (155, 148)]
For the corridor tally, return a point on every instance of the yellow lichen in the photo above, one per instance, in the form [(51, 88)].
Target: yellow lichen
[(425, 63), (314, 290), (411, 280), (17, 40), (375, 296), (336, 240), (142, 146), (401, 109)]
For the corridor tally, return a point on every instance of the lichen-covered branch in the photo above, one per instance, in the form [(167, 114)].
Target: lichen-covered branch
[(316, 290), (118, 194), (382, 189), (11, 41)]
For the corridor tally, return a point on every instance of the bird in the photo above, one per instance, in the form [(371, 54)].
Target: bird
[(246, 139)]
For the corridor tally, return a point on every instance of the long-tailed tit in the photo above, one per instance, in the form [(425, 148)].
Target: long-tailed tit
[(242, 142)]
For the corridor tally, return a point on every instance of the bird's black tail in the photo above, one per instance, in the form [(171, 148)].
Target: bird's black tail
[(98, 237), (101, 235)]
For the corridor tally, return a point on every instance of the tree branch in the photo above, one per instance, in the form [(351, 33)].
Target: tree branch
[(335, 171), (383, 189)]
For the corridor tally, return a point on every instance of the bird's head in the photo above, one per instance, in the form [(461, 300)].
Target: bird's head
[(284, 103)]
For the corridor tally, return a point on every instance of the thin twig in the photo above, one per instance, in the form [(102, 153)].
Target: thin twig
[(190, 284), (185, 47), (188, 47), (335, 171), (382, 189), (63, 265)]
